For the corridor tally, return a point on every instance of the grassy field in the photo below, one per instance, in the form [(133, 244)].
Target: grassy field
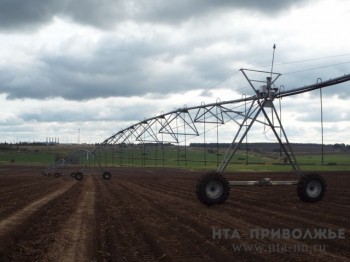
[(174, 156), (22, 158)]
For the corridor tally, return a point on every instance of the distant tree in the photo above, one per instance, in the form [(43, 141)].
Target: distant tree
[(341, 147)]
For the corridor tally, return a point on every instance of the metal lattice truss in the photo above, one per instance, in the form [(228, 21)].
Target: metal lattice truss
[(171, 126), (175, 126)]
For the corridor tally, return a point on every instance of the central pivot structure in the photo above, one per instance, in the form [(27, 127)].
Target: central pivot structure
[(213, 188)]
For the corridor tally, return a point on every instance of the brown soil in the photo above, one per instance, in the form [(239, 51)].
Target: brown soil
[(154, 215)]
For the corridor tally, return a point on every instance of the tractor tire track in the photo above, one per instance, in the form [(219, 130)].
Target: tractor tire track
[(75, 241), (10, 223)]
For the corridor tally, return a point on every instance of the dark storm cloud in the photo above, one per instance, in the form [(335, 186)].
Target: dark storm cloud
[(19, 14)]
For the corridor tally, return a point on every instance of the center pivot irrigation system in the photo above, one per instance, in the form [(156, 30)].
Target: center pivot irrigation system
[(128, 146), (213, 188)]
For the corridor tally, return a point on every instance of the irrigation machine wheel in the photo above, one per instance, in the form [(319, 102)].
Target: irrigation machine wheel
[(311, 188), (57, 175), (106, 175), (212, 188), (79, 176), (72, 174)]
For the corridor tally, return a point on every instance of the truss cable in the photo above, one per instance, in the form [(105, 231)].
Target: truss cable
[(312, 59), (320, 67), (222, 81), (304, 60)]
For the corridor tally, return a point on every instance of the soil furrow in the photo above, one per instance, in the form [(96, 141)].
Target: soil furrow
[(132, 237), (153, 214)]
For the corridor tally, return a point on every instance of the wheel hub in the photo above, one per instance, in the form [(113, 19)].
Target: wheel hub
[(214, 189), (314, 188)]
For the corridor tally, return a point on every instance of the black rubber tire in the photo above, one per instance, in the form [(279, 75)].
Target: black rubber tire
[(79, 176), (57, 175), (72, 174), (106, 175), (311, 188), (212, 188)]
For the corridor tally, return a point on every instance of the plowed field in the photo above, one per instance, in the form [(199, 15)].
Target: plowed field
[(154, 215)]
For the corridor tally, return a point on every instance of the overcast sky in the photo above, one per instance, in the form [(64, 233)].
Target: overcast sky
[(100, 65)]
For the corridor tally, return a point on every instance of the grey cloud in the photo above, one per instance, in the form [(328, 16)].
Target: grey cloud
[(113, 69), (99, 13), (103, 110), (309, 109), (162, 11), (329, 115), (55, 116), (19, 15), (136, 68)]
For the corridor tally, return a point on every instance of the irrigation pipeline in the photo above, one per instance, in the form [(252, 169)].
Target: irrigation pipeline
[(308, 88)]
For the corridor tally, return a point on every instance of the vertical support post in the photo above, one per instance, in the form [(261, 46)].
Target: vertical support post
[(205, 144), (246, 137), (143, 154), (322, 147), (163, 153), (185, 153), (113, 156), (280, 104), (156, 161), (217, 137), (132, 155), (156, 158), (106, 156), (121, 154)]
